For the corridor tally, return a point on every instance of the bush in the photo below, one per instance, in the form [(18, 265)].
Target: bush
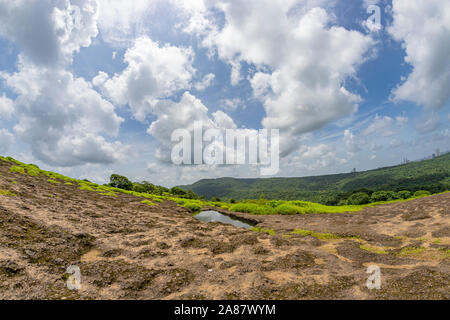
[(121, 182), (422, 193), (192, 206), (244, 207), (287, 209), (17, 169), (383, 196), (404, 194), (177, 191), (358, 199)]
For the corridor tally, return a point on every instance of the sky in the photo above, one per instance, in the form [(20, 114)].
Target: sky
[(94, 87)]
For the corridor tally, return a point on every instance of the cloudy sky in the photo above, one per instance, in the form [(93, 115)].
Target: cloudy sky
[(92, 87)]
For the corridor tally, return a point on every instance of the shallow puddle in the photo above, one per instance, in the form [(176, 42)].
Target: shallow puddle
[(214, 216)]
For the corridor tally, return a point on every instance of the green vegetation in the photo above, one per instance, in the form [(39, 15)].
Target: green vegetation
[(262, 206), (7, 193), (17, 169), (431, 175), (373, 249), (321, 236), (268, 231), (148, 202), (410, 251), (358, 198)]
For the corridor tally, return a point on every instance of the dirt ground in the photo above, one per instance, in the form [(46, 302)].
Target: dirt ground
[(129, 250)]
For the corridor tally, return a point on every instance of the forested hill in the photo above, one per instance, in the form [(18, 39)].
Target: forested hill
[(432, 175)]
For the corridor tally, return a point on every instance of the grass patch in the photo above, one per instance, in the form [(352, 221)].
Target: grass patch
[(321, 236), (411, 251), (17, 169), (53, 181), (148, 202), (7, 193), (373, 249), (192, 206), (108, 194), (259, 229)]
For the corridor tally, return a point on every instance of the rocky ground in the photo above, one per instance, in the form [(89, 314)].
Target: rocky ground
[(129, 250)]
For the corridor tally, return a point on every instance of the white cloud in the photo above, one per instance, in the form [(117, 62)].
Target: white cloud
[(6, 140), (231, 104), (122, 21), (62, 118), (381, 125), (6, 107), (423, 27), (50, 31), (206, 82), (302, 61), (351, 142), (183, 115), (428, 122), (153, 72)]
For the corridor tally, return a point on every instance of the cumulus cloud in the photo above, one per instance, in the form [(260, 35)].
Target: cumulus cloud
[(62, 117), (6, 140), (301, 59), (49, 31), (122, 21), (154, 72), (6, 107), (182, 115), (423, 27)]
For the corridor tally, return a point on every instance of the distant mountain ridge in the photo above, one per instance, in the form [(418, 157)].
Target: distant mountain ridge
[(432, 175)]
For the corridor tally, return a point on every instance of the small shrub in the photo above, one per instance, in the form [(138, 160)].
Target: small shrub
[(120, 182), (192, 206), (17, 169), (148, 202), (358, 199), (422, 193), (287, 209), (404, 194), (53, 181), (383, 196)]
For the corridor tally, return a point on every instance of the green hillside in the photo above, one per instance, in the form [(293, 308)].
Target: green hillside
[(432, 175)]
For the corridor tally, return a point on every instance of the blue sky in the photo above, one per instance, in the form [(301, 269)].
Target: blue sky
[(99, 86)]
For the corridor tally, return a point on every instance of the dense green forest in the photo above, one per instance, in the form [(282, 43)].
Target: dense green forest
[(432, 175)]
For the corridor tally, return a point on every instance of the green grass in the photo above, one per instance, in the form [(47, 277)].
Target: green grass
[(373, 249), (148, 202), (321, 236), (7, 193), (268, 231), (108, 194), (411, 251), (53, 181), (17, 169)]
